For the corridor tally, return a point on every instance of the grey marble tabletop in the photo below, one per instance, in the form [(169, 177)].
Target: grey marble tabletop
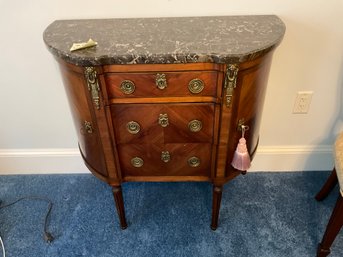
[(220, 39)]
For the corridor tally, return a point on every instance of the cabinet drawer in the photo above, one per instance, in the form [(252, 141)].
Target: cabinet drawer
[(165, 159), (163, 123), (162, 84)]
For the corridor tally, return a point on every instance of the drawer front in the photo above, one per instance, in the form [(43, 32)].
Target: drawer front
[(163, 123), (165, 159), (168, 84)]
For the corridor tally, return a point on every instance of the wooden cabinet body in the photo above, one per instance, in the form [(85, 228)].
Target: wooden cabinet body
[(165, 121)]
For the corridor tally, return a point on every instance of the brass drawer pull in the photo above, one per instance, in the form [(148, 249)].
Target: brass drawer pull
[(163, 120), (195, 125), (137, 162), (195, 86), (161, 81), (194, 162), (165, 156), (88, 127), (127, 87), (133, 127)]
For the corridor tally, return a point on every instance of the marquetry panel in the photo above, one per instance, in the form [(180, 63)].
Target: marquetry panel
[(163, 123)]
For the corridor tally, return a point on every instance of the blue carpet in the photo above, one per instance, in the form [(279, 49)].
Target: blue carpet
[(262, 214)]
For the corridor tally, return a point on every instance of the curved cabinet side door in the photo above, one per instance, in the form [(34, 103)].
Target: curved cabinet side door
[(88, 137), (248, 102)]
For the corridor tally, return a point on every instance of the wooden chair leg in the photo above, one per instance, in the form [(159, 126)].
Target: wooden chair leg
[(332, 229), (328, 186)]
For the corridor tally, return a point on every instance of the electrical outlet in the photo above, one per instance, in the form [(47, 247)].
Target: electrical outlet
[(302, 102)]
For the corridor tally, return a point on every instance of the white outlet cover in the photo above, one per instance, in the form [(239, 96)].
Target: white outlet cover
[(302, 102)]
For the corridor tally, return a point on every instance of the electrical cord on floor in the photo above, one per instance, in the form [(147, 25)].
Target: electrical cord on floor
[(3, 247), (47, 236)]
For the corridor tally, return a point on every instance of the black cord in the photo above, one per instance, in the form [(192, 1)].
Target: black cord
[(47, 236)]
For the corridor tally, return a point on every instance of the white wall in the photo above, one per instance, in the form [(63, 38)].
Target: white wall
[(36, 131)]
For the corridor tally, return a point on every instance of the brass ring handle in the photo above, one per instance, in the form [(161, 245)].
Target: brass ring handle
[(127, 87), (163, 120), (195, 125), (161, 81), (194, 161), (137, 162), (165, 156), (195, 86), (133, 127)]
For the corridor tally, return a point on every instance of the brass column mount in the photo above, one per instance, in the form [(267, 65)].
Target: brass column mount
[(93, 85), (230, 82)]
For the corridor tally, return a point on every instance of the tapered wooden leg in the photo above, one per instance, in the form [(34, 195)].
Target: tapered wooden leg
[(332, 229), (118, 198), (217, 197), (328, 186)]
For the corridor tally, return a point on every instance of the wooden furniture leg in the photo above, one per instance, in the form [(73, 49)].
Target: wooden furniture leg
[(217, 197), (328, 186), (332, 229), (118, 198)]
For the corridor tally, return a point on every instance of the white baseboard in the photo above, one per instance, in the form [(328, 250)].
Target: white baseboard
[(293, 158), (273, 158), (41, 161)]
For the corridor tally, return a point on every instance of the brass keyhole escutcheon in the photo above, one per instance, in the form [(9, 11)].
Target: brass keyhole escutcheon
[(127, 87), (163, 120), (161, 81), (165, 156), (137, 162), (133, 127), (195, 86), (194, 161), (88, 127), (195, 125)]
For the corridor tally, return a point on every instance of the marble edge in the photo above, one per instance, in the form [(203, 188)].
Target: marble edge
[(164, 58)]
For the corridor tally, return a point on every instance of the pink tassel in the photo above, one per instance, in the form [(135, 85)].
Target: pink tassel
[(241, 159)]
